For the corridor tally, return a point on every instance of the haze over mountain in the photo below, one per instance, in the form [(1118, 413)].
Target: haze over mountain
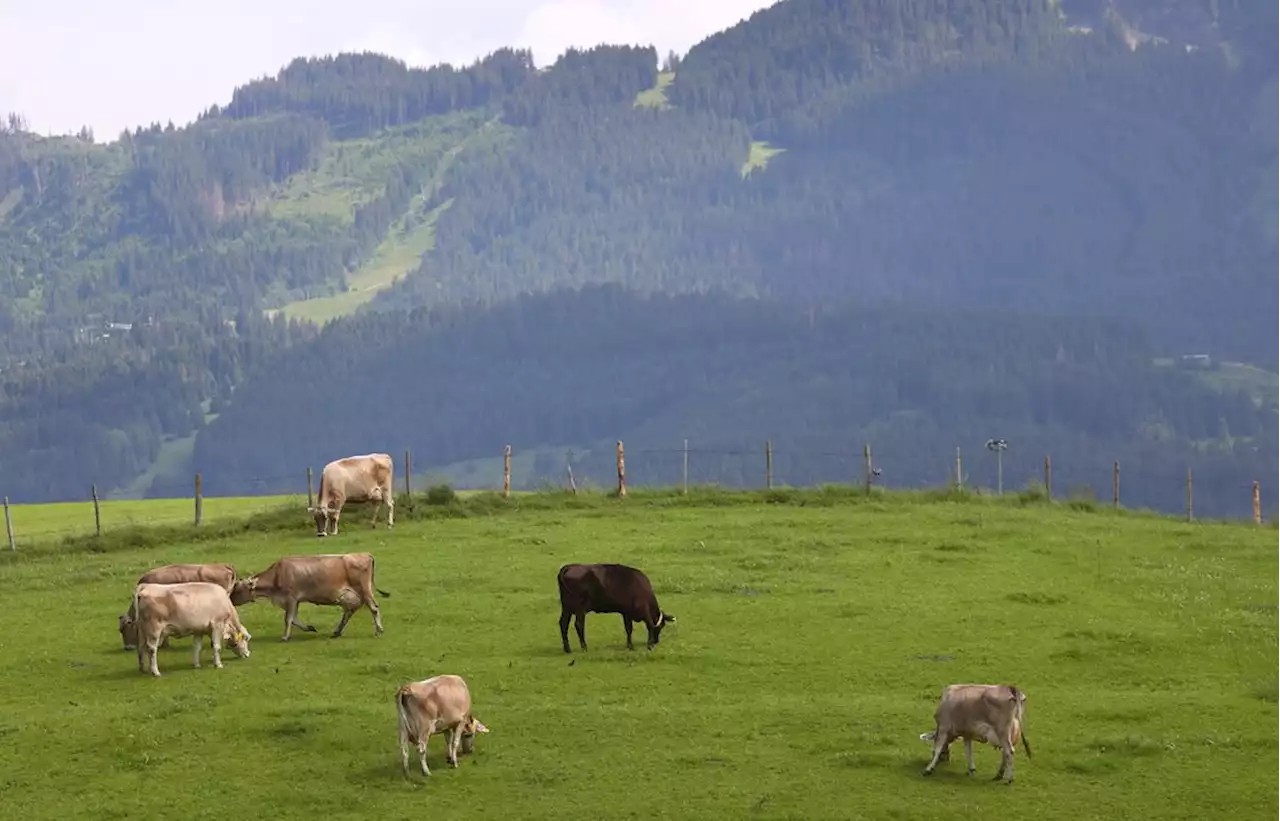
[(916, 223)]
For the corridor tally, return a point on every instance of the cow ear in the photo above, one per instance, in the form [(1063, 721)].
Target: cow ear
[(480, 728)]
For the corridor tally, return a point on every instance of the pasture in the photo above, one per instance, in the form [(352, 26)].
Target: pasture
[(813, 638)]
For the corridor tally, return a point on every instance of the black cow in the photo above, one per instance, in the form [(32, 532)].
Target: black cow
[(608, 588)]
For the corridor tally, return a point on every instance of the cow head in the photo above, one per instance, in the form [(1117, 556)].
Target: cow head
[(469, 729), (321, 516), (128, 631), (655, 630), (238, 637), (244, 591)]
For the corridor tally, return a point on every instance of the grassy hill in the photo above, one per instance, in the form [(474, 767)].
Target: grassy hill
[(1125, 632)]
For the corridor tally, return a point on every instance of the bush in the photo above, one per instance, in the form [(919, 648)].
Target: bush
[(441, 494)]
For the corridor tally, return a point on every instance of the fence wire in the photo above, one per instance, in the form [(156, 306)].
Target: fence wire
[(1066, 477)]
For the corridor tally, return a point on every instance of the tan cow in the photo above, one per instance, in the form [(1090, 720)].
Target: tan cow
[(342, 579), (223, 575), (195, 609), (984, 712), (366, 478), (440, 704)]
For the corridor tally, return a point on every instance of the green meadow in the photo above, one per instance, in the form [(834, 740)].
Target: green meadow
[(815, 630)]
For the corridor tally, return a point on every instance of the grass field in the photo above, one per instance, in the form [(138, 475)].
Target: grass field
[(813, 637)]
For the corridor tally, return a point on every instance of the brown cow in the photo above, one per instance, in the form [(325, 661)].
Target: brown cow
[(223, 575), (366, 478), (608, 588), (440, 704), (986, 712), (342, 579), (193, 609)]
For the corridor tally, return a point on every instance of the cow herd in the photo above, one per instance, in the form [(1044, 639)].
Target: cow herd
[(200, 600)]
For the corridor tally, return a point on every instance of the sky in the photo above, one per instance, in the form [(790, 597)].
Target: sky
[(69, 63)]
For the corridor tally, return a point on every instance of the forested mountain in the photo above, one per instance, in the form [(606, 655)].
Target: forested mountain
[(948, 216)]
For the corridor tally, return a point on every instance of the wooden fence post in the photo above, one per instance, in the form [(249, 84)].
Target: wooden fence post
[(684, 484), (1115, 483), (199, 499), (768, 463), (959, 475), (8, 521), (1257, 507), (866, 465), (506, 472), (1189, 517), (97, 515), (1048, 476), (622, 472), (408, 472), (568, 463), (310, 499)]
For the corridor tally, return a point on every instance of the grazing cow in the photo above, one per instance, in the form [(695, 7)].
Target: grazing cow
[(984, 712), (608, 588), (366, 478), (193, 609), (223, 575), (342, 579), (440, 704)]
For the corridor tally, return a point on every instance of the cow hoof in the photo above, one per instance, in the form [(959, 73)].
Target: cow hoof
[(927, 771)]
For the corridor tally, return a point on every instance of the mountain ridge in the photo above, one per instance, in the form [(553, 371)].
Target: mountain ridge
[(974, 155)]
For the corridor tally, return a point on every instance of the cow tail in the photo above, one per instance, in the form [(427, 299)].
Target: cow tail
[(1026, 745), (402, 711), (372, 568)]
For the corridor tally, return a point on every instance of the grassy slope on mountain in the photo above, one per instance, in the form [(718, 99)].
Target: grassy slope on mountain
[(962, 186), (190, 232), (903, 175), (590, 367)]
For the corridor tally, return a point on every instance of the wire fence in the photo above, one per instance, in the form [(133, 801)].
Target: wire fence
[(993, 470)]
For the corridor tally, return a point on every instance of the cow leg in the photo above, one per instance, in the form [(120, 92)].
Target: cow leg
[(216, 640), (197, 643), (336, 514), (342, 625), (565, 615), (940, 742), (422, 754), (1006, 763), (376, 507), (580, 625), (151, 654), (291, 620), (391, 511), (626, 625), (377, 614), (140, 644), (968, 754), (454, 743)]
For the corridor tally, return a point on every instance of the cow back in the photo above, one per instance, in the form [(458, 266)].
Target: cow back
[(221, 574), (608, 588), (355, 478)]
